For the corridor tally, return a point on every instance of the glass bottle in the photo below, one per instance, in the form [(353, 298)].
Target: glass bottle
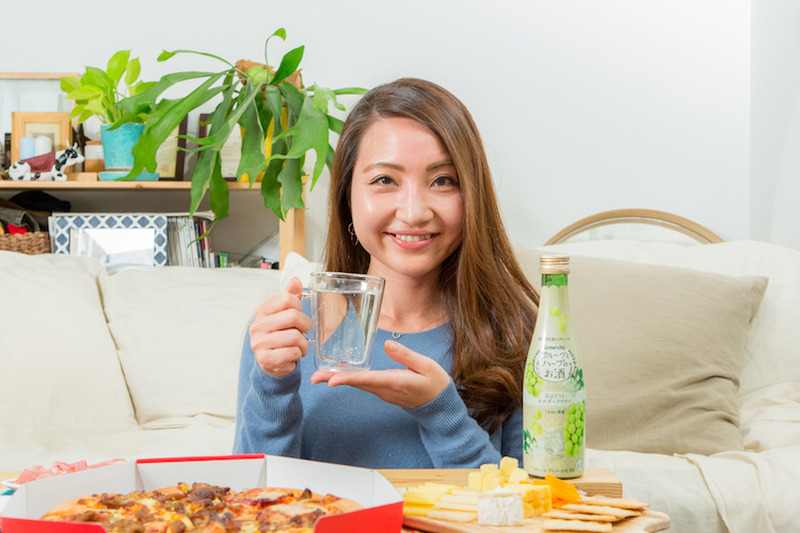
[(554, 398)]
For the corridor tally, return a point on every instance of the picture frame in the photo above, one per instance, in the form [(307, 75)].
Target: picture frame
[(231, 153), (53, 124), (29, 91), (64, 228), (171, 156)]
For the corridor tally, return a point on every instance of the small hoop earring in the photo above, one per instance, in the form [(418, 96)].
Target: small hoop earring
[(353, 237)]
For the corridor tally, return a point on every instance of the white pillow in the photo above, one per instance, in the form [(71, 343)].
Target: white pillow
[(297, 266), (179, 335), (57, 357)]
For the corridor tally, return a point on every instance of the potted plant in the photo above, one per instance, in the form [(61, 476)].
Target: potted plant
[(97, 93), (250, 96)]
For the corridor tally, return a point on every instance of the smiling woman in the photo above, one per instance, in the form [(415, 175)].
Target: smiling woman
[(411, 183), (406, 203)]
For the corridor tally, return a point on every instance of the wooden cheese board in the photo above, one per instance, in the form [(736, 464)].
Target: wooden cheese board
[(595, 481), (648, 522)]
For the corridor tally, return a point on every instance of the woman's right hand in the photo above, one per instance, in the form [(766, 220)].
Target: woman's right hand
[(276, 333)]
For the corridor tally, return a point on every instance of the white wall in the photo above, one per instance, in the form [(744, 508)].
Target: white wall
[(688, 106)]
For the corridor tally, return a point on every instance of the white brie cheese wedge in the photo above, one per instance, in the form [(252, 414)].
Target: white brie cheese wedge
[(500, 507)]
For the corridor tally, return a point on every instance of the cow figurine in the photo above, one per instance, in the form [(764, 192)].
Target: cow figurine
[(46, 167)]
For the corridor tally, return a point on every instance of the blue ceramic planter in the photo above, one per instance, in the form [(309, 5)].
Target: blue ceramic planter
[(117, 152)]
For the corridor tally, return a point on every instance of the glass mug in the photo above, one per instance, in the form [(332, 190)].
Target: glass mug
[(345, 309)]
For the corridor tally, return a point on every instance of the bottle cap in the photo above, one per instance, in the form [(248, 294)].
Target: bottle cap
[(554, 264)]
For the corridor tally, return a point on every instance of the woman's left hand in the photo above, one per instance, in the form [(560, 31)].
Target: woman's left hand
[(421, 381)]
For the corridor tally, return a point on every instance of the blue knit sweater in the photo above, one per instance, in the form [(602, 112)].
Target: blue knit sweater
[(291, 417)]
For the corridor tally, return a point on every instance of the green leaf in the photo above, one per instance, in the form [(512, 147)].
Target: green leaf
[(294, 98), (117, 65), (328, 163), (310, 133), (275, 104), (253, 159), (335, 124), (271, 187), (163, 56), (209, 165), (264, 113), (288, 65), (86, 115), (70, 83), (280, 32), (351, 90), (218, 192), (85, 92), (132, 105), (76, 111), (97, 77), (133, 71), (291, 181), (322, 96), (141, 87), (201, 178), (95, 106)]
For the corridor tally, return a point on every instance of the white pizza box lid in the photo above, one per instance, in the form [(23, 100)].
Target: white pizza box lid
[(383, 504)]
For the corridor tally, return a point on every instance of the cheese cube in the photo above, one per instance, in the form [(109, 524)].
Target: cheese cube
[(518, 475), (500, 507), (508, 465), (489, 468), (474, 481), (490, 482), (536, 498)]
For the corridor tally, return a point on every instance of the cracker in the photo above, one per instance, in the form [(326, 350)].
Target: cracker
[(576, 525), (601, 509), (573, 515), (621, 503)]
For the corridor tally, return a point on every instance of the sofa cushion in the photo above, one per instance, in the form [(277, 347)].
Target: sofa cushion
[(179, 332), (57, 352), (662, 349)]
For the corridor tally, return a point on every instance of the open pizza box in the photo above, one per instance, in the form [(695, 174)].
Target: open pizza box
[(383, 505)]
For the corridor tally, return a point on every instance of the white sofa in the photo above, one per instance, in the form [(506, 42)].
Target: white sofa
[(143, 363)]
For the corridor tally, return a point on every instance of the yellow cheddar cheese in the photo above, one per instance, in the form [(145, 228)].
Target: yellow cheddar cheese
[(536, 499)]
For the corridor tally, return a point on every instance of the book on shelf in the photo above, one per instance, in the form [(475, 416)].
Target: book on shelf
[(187, 243), (124, 239)]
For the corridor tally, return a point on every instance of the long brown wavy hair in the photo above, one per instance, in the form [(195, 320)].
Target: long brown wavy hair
[(490, 303)]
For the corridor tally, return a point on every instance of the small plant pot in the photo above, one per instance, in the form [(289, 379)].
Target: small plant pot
[(118, 152)]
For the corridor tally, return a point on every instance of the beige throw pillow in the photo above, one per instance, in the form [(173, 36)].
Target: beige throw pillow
[(179, 335), (57, 358), (662, 350)]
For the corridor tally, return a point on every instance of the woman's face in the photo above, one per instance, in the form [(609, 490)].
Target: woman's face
[(406, 201)]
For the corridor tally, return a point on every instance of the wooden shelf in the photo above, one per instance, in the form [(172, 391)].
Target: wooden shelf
[(112, 185), (292, 230)]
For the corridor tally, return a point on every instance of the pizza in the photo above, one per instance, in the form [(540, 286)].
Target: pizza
[(203, 508)]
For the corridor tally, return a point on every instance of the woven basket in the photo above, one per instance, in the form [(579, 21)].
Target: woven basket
[(36, 242)]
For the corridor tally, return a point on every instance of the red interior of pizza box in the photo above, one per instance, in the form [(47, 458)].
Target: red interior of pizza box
[(383, 510)]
